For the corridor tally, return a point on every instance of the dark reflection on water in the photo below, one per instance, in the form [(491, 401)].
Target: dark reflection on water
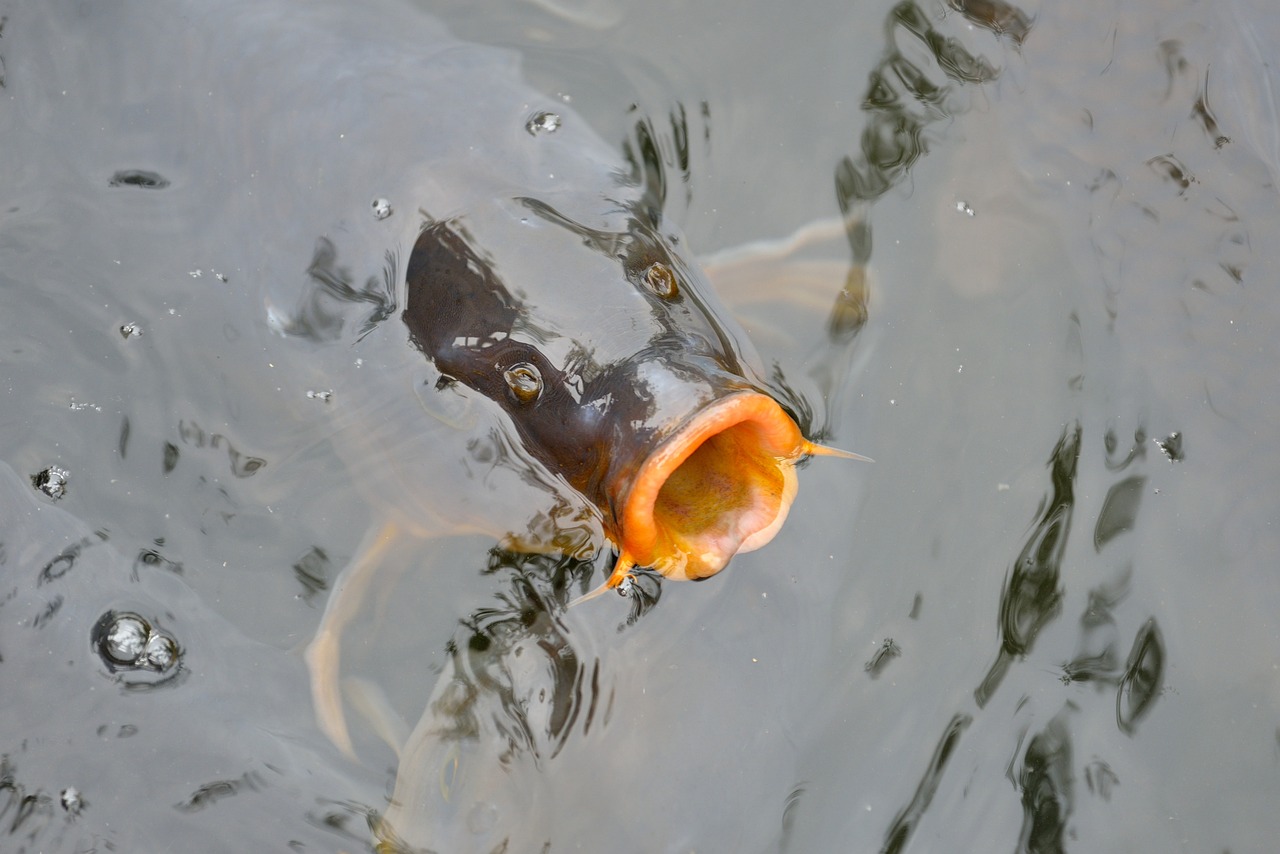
[(1047, 785), (1032, 596), (191, 433), (1143, 677), (525, 623), (903, 99), (652, 150), (140, 178), (514, 689), (1119, 510), (1134, 144), (900, 831), (331, 294), (1097, 657), (1031, 600), (107, 663)]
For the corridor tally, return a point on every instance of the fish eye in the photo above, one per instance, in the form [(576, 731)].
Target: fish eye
[(525, 382), (660, 279)]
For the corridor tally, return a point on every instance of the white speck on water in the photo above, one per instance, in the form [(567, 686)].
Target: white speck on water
[(71, 801), (542, 122), (964, 208)]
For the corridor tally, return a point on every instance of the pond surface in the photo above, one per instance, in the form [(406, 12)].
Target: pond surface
[(1035, 279)]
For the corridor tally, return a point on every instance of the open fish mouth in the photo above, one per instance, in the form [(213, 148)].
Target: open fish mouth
[(722, 484)]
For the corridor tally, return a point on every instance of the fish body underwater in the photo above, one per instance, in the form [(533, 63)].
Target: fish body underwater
[(523, 348)]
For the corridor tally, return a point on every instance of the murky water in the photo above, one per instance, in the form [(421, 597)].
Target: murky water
[(1045, 619)]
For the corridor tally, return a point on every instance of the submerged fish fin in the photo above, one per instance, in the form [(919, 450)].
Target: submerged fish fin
[(621, 572), (775, 287), (323, 654), (826, 451), (375, 707)]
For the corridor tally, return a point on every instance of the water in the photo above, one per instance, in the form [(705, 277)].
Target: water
[(1065, 214)]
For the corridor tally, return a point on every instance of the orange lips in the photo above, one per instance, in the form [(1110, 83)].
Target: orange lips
[(721, 485)]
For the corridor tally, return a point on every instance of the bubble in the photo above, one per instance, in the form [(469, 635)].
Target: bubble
[(381, 208), (128, 642), (322, 396), (71, 800), (161, 652), (542, 122), (52, 482), (125, 640)]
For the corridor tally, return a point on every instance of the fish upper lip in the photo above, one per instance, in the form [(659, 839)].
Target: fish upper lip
[(756, 510)]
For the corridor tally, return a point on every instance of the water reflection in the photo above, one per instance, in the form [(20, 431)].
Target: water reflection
[(1047, 784), (513, 691), (904, 98), (108, 662), (1143, 677), (902, 827), (1032, 596), (331, 294), (652, 151)]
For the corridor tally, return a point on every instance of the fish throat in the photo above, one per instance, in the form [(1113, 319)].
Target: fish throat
[(720, 485)]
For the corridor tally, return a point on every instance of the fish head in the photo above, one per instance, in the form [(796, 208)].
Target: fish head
[(619, 371)]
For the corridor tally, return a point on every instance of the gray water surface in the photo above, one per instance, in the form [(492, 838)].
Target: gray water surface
[(1045, 619)]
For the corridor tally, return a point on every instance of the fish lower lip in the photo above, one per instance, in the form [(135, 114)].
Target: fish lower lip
[(721, 485)]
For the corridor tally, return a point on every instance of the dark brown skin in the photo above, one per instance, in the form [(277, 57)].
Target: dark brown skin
[(595, 416)]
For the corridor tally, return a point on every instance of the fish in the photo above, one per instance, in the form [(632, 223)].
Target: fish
[(631, 393), (516, 339), (654, 418), (565, 327), (619, 375)]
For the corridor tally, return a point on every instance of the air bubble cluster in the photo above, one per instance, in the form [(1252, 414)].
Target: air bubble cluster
[(127, 642)]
